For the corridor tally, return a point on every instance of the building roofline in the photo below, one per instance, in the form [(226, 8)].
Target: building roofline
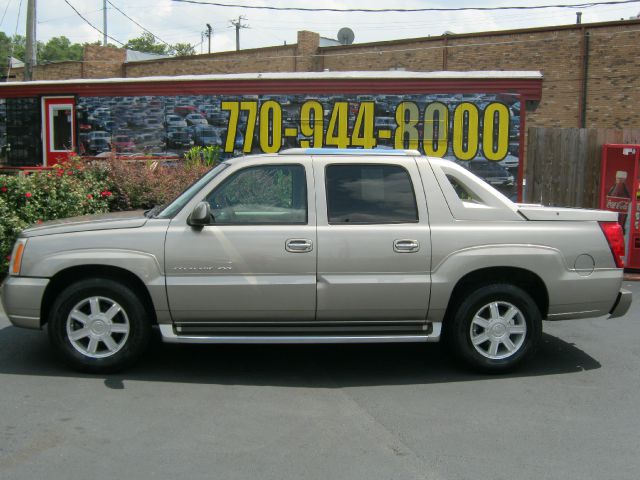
[(204, 56), (354, 75), (492, 33)]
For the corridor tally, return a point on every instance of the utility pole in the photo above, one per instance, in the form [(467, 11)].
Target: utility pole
[(30, 52), (238, 24), (209, 32), (104, 23)]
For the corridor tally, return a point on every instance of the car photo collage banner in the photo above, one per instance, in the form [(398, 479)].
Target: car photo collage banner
[(479, 131)]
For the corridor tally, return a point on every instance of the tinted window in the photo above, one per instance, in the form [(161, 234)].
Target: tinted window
[(462, 191), (270, 194), (370, 194)]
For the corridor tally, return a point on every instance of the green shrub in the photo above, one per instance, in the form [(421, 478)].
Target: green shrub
[(207, 157)]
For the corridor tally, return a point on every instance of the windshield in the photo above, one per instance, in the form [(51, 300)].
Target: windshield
[(181, 200)]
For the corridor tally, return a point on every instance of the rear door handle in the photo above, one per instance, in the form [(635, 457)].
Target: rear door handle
[(406, 246), (298, 245)]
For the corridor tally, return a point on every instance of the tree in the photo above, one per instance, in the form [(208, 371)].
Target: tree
[(19, 46), (59, 48), (183, 49), (5, 50), (147, 43)]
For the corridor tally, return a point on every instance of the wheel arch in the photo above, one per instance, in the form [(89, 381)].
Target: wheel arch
[(525, 279), (77, 273)]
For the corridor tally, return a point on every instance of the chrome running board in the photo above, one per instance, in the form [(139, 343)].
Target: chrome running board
[(169, 336)]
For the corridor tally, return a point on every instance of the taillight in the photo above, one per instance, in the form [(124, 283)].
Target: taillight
[(613, 233)]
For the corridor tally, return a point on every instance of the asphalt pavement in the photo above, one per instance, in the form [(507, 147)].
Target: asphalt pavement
[(327, 412)]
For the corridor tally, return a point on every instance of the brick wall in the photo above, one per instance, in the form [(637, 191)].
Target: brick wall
[(306, 50), (52, 71), (103, 62), (614, 78)]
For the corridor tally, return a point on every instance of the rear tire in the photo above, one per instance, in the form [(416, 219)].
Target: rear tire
[(495, 328), (99, 325)]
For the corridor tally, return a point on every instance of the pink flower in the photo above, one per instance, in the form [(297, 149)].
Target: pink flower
[(106, 193), (90, 197), (4, 189), (28, 194), (69, 172)]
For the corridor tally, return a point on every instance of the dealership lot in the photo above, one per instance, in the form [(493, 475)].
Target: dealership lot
[(359, 411)]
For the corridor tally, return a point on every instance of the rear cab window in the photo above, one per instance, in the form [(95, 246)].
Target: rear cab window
[(469, 197)]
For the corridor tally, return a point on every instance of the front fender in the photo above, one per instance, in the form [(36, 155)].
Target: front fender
[(143, 265)]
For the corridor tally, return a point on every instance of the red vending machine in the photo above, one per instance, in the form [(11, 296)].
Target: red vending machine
[(620, 192)]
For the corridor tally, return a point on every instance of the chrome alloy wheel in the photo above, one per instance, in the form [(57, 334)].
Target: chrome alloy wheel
[(498, 330), (98, 327)]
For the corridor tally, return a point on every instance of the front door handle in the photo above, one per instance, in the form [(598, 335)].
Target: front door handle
[(406, 246), (298, 245)]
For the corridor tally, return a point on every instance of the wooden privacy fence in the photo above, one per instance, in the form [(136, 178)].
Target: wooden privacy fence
[(563, 164)]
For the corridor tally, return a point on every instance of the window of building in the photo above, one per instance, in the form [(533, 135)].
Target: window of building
[(370, 194)]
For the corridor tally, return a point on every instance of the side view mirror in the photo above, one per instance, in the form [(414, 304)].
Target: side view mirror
[(201, 215)]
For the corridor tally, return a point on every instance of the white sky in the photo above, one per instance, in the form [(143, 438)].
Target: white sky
[(179, 22)]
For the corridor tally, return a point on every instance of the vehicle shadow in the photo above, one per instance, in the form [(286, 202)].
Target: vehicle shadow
[(24, 352)]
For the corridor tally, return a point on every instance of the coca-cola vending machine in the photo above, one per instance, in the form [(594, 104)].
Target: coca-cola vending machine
[(620, 192)]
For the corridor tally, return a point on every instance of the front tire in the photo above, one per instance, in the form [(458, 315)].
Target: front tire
[(99, 325), (495, 328)]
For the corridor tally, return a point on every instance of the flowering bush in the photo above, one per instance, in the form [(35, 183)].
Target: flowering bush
[(73, 189), (135, 185), (66, 191)]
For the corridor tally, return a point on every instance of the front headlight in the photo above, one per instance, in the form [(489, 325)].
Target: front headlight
[(16, 256)]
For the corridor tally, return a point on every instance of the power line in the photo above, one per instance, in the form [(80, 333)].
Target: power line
[(91, 24), (410, 10), (5, 11), (18, 19), (146, 30), (13, 42)]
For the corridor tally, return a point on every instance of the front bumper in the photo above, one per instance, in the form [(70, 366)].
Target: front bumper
[(623, 302), (21, 300)]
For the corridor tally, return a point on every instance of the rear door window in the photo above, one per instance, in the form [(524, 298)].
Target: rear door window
[(365, 194)]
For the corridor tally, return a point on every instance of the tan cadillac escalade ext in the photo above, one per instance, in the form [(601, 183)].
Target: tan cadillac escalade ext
[(313, 246)]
